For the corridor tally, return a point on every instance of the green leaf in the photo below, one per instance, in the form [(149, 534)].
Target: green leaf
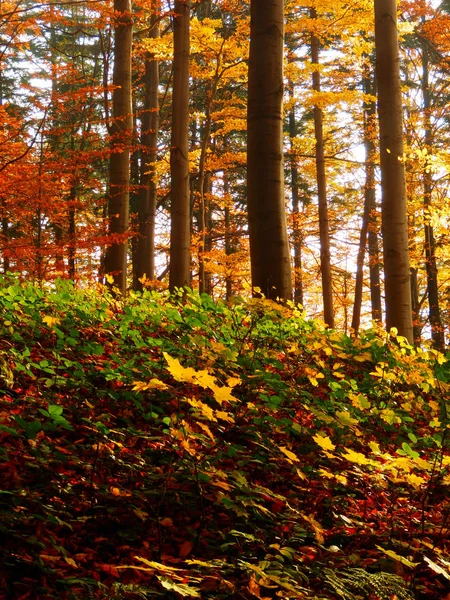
[(102, 428), (54, 410)]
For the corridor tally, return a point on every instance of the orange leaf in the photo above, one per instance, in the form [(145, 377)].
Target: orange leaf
[(185, 549)]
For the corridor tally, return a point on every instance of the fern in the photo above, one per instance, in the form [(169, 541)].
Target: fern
[(357, 584)]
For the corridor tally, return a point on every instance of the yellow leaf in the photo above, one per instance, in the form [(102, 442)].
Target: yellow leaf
[(363, 357), (159, 566), (318, 530), (50, 321), (188, 374), (205, 410), (329, 475), (301, 475), (434, 405), (207, 430), (109, 279), (221, 484), (389, 416), (324, 442), (291, 457), (415, 480), (326, 473), (201, 378), (356, 457), (224, 416), (375, 447), (345, 419), (153, 384), (341, 478), (397, 557), (71, 562), (223, 394)]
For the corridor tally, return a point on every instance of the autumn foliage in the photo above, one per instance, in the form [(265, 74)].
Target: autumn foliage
[(176, 447)]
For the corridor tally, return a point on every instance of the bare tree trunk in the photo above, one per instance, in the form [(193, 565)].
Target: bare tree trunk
[(437, 330), (5, 221), (71, 263), (417, 325), (394, 214), (229, 246), (368, 216), (297, 235), (269, 245), (145, 247), (324, 233), (179, 161), (205, 134), (121, 133), (6, 237)]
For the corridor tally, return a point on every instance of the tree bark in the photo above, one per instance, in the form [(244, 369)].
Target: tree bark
[(121, 133), (394, 214), (368, 225), (437, 330), (145, 251), (179, 162), (324, 233), (269, 245), (296, 233)]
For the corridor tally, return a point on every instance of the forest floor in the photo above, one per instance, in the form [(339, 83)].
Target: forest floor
[(160, 448)]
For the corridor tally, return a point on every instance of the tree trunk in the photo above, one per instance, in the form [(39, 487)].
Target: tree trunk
[(229, 245), (437, 331), (269, 245), (325, 254), (145, 258), (296, 235), (368, 219), (417, 325), (179, 161), (394, 214), (121, 132)]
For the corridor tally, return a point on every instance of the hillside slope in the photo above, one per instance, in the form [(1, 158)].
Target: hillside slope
[(160, 448)]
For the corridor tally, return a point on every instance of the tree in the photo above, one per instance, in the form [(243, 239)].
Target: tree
[(325, 254), (437, 331), (145, 255), (394, 215), (179, 160), (121, 132), (269, 246), (369, 221)]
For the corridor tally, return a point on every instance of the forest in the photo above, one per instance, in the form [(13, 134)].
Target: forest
[(123, 152), (224, 299)]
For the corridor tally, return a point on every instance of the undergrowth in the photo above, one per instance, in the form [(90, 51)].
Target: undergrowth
[(179, 447)]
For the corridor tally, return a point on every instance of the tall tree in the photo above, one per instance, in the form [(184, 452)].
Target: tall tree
[(437, 331), (269, 246), (368, 226), (121, 132), (179, 160), (145, 255), (324, 233), (394, 215)]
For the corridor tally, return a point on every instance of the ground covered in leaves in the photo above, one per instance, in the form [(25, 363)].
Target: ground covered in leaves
[(168, 447)]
